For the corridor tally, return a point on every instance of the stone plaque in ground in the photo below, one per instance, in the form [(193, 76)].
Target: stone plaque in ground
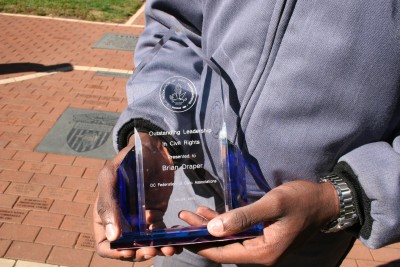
[(116, 41), (81, 132), (113, 74)]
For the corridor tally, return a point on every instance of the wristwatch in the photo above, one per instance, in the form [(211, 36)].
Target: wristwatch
[(347, 214)]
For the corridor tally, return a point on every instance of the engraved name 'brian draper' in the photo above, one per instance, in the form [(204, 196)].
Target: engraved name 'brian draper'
[(183, 166)]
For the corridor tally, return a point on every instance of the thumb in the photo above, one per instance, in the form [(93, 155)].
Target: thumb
[(109, 217), (107, 208), (269, 208), (237, 220)]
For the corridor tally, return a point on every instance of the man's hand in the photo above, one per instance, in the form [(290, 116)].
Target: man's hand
[(106, 213), (290, 213)]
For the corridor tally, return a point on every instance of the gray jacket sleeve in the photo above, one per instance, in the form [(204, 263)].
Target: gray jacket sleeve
[(375, 178), (145, 111)]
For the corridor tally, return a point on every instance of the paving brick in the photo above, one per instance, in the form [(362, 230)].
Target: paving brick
[(35, 139), (85, 197), (98, 261), (11, 128), (4, 245), (86, 241), (386, 254), (58, 193), (57, 237), (33, 264), (28, 122), (89, 162), (360, 252), (20, 145), (46, 117), (89, 212), (80, 183), (7, 154), (15, 176), (40, 109), (69, 208), (20, 189), (78, 224), (28, 251), (74, 171), (3, 186), (37, 167), (19, 232), (22, 114), (47, 179), (14, 136), (7, 201), (349, 263), (7, 121), (3, 143), (91, 173), (12, 216), (29, 156), (70, 257), (59, 159), (396, 245), (47, 124), (34, 130), (364, 263), (43, 219), (7, 263), (32, 203), (15, 107), (12, 165)]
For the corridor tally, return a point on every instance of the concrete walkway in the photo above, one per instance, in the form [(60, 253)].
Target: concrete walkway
[(46, 199)]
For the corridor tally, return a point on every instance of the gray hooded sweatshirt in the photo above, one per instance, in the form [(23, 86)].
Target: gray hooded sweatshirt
[(314, 87)]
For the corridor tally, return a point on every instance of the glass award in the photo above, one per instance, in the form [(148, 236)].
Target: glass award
[(191, 163)]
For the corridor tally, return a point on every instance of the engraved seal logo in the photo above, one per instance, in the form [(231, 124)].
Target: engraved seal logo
[(178, 94)]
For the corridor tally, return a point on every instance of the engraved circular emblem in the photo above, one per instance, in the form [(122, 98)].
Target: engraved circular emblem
[(178, 94)]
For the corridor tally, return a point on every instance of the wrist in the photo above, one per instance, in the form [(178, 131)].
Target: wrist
[(331, 206)]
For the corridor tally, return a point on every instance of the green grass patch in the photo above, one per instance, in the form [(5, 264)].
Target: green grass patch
[(94, 10)]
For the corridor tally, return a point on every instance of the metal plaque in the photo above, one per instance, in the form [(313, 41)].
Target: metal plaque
[(116, 41), (113, 74), (81, 132)]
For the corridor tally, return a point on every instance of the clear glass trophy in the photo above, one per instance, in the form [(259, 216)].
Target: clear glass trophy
[(192, 164)]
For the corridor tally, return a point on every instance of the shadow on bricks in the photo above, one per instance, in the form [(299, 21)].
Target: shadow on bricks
[(28, 67), (395, 263)]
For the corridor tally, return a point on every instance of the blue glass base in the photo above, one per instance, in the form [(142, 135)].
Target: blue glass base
[(177, 236)]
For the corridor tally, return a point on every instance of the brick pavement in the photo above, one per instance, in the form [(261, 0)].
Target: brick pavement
[(46, 199)]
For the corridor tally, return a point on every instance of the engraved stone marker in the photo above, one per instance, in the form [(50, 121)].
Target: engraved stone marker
[(33, 203), (9, 215), (81, 132), (85, 241), (114, 41)]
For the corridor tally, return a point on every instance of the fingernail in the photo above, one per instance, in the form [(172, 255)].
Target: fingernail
[(110, 232), (216, 225), (147, 257)]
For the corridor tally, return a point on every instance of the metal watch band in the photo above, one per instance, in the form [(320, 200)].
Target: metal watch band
[(347, 214)]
